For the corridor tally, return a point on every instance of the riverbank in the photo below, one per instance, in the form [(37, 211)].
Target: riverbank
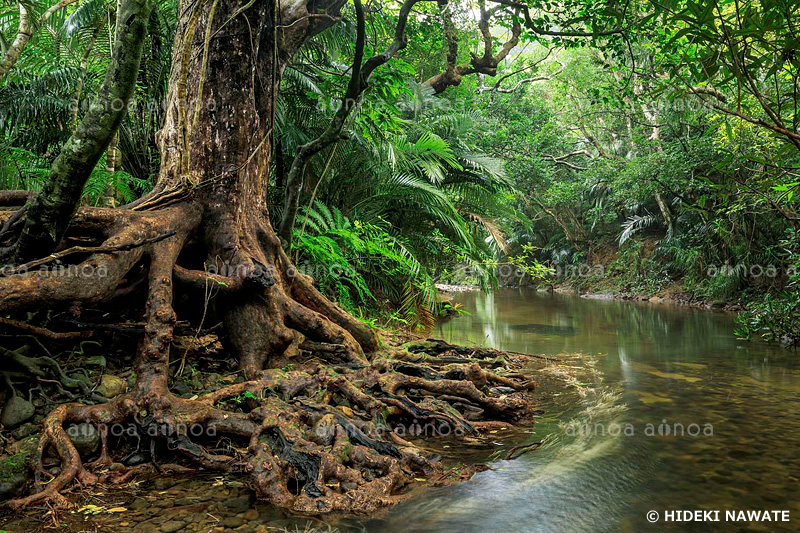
[(489, 404), (667, 297)]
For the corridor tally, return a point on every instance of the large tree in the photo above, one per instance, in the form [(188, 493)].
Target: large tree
[(206, 223)]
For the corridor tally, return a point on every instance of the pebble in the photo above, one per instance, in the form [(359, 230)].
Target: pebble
[(181, 388), (139, 503), (25, 430), (232, 521), (164, 483), (28, 444), (111, 386), (324, 431), (171, 526), (238, 505)]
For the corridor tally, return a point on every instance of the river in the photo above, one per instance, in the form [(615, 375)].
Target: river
[(606, 460)]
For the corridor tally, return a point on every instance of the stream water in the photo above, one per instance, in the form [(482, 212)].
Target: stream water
[(606, 460)]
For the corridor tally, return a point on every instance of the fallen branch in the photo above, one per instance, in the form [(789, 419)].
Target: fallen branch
[(524, 448), (44, 332)]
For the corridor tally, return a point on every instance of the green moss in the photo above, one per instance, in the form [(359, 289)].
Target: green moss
[(14, 467), (344, 454)]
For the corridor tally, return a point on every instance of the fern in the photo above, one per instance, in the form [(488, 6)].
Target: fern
[(361, 264), (634, 224)]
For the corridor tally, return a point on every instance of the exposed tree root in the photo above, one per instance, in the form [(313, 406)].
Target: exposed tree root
[(333, 434), (316, 440), (16, 363)]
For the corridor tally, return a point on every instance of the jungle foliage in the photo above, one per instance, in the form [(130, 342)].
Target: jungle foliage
[(658, 140)]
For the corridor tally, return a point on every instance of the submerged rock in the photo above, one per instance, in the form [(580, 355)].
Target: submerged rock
[(172, 525), (501, 390), (164, 483), (239, 504), (16, 411), (111, 386)]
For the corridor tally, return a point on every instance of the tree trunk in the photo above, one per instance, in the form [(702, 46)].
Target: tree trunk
[(112, 156), (206, 224), (216, 144)]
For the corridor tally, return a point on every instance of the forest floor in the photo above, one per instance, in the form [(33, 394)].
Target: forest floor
[(198, 501)]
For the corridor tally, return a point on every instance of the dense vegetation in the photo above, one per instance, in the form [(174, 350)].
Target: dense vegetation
[(655, 156)]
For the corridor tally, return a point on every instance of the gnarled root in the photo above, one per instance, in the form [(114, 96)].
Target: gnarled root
[(313, 440), (334, 434)]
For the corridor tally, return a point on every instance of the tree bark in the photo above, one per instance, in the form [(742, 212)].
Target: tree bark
[(486, 63), (216, 146)]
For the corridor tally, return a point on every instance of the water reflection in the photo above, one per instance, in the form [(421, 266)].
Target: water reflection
[(646, 366)]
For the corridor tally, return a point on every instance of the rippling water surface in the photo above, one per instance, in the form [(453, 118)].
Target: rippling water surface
[(606, 461)]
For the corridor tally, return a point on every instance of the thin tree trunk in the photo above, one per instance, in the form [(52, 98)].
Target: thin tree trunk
[(112, 155), (359, 80), (76, 100), (50, 212)]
